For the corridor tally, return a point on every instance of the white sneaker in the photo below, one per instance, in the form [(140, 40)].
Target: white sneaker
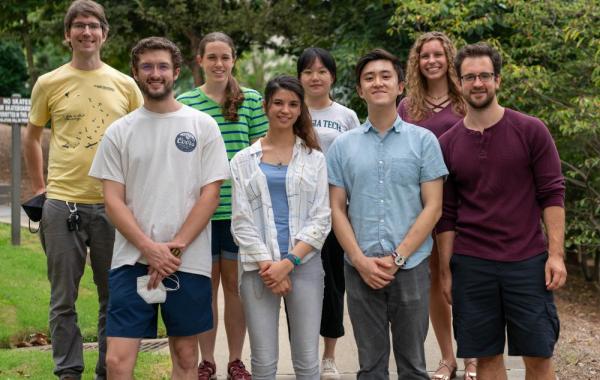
[(328, 370)]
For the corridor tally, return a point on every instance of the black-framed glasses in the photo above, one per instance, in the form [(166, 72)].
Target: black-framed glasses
[(484, 77)]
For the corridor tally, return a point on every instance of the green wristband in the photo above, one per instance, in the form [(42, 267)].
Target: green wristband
[(293, 258)]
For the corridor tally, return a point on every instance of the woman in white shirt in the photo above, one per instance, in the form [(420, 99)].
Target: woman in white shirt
[(316, 70), (280, 219)]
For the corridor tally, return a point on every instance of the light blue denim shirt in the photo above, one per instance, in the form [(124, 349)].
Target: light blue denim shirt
[(382, 177)]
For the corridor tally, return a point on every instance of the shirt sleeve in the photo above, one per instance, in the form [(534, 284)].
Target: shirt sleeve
[(243, 228), (432, 160), (136, 99), (214, 163), (447, 221), (353, 120), (548, 178), (258, 124), (39, 114), (109, 162), (335, 171), (316, 230), (402, 109)]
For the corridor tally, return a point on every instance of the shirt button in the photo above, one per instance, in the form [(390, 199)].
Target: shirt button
[(381, 220), (380, 181), (380, 162), (381, 201)]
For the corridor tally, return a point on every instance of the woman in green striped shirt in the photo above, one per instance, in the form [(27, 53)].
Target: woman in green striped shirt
[(240, 115)]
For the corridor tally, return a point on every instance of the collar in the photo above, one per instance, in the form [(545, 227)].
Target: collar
[(397, 126)]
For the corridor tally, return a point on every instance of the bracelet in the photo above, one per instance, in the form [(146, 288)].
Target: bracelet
[(293, 258)]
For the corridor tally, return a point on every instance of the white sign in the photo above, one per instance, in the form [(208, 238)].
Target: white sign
[(14, 110)]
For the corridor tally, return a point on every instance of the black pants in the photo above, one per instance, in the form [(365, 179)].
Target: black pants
[(332, 317)]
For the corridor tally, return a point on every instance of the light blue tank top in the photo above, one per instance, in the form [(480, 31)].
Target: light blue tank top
[(276, 183)]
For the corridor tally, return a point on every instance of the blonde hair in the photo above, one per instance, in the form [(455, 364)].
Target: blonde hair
[(416, 83)]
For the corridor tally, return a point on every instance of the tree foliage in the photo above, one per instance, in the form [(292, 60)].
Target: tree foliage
[(551, 51), (12, 70)]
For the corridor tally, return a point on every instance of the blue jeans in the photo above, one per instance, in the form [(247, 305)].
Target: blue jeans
[(403, 306), (304, 303)]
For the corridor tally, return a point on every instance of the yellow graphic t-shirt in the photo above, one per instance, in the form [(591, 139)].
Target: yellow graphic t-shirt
[(81, 105)]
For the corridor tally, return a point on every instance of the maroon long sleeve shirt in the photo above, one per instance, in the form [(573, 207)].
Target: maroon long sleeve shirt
[(499, 183)]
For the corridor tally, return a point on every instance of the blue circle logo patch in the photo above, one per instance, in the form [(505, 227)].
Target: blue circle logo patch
[(185, 142)]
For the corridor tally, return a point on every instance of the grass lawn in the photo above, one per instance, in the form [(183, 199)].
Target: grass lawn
[(29, 364), (24, 299), (25, 291)]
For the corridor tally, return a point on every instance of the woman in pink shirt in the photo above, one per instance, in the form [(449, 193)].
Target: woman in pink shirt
[(434, 102)]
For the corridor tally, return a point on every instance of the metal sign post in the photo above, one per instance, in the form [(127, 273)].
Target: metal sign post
[(15, 111)]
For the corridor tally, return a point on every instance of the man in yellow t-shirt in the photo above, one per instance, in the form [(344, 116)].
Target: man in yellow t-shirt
[(80, 99)]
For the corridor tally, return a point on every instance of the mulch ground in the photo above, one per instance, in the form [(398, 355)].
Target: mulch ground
[(578, 350)]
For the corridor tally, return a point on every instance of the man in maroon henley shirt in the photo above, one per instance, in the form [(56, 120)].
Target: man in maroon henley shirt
[(498, 269)]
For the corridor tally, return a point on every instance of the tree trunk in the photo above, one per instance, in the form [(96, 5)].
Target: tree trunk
[(192, 63), (33, 74)]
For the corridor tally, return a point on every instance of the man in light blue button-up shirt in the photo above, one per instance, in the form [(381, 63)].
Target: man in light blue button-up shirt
[(386, 195)]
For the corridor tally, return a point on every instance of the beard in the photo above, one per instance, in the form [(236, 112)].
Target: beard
[(156, 95), (482, 104)]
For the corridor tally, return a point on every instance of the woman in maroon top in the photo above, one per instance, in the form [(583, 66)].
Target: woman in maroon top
[(434, 102)]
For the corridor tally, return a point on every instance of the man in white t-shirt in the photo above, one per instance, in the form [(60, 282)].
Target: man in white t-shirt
[(162, 167)]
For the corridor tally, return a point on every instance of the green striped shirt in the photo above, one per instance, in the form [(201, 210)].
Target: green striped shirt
[(237, 135)]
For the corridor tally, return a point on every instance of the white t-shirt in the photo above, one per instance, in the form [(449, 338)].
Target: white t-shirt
[(163, 160), (332, 121)]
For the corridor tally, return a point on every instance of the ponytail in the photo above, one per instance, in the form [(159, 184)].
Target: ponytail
[(234, 97)]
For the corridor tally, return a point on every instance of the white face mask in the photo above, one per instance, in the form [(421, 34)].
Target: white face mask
[(158, 294)]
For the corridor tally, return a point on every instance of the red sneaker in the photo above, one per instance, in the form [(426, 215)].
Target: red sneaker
[(237, 371), (207, 370)]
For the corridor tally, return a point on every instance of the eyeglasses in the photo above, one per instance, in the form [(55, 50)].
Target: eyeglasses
[(81, 26), (149, 67), (484, 77)]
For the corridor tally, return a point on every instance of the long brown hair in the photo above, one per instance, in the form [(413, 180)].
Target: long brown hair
[(303, 126), (417, 83), (234, 96)]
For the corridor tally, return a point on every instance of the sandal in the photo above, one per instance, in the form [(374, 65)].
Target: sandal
[(444, 365), (470, 375)]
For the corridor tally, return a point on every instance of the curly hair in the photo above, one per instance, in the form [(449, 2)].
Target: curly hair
[(417, 83), (234, 96)]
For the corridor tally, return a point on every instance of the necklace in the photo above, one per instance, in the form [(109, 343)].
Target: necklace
[(280, 163), (277, 154), (437, 97)]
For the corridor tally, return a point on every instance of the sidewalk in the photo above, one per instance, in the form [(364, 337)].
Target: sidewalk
[(346, 353)]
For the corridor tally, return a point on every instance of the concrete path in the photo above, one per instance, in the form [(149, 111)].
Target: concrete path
[(346, 353)]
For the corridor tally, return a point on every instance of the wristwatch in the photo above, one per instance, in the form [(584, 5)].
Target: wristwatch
[(399, 260)]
